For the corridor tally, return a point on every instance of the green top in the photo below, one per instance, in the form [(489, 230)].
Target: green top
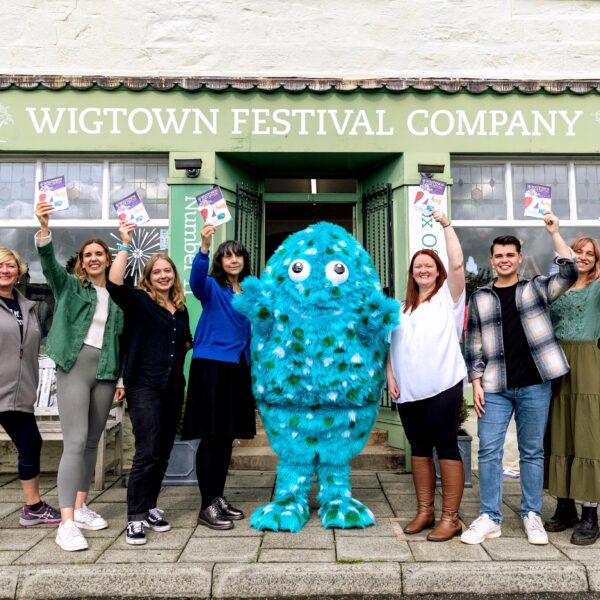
[(576, 314), (75, 306)]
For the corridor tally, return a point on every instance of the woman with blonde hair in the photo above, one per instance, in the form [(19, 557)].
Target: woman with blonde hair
[(574, 466), (84, 342), (20, 334), (158, 337)]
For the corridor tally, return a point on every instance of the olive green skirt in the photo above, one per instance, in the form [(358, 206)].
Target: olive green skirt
[(574, 465)]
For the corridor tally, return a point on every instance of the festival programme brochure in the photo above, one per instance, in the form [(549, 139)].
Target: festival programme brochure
[(538, 200), (213, 207), (54, 191), (131, 208), (430, 195)]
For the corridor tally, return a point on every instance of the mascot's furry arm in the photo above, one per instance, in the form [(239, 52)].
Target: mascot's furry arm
[(377, 311), (256, 305)]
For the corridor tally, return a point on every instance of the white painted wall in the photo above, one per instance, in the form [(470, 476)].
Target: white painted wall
[(532, 39)]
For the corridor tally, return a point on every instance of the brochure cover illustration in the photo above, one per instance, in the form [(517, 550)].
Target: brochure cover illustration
[(54, 191), (213, 207), (131, 208), (430, 195), (538, 200)]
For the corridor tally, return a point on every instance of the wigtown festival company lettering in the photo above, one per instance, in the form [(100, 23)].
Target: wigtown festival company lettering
[(299, 121)]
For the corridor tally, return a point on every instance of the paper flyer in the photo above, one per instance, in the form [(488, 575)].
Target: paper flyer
[(54, 191), (213, 207), (131, 209), (430, 195), (538, 200)]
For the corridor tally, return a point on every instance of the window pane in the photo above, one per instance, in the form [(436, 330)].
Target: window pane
[(84, 188), (552, 175), (478, 192), (537, 249), (588, 191), (17, 190), (147, 179)]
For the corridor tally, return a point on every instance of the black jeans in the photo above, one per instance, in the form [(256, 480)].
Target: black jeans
[(154, 417), (433, 423), (22, 429)]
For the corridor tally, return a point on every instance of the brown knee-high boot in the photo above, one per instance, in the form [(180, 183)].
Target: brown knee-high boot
[(453, 481), (423, 473)]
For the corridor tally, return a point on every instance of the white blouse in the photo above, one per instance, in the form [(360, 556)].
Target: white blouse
[(425, 350), (95, 334)]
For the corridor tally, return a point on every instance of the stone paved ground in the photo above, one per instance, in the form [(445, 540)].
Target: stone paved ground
[(191, 561)]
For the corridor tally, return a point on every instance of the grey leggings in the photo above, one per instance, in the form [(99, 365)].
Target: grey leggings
[(83, 405)]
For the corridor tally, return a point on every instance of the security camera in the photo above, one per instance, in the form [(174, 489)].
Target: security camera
[(192, 166)]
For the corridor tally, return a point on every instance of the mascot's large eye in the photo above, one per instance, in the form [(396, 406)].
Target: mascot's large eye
[(337, 272), (299, 270)]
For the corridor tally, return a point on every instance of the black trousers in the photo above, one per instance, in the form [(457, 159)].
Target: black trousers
[(25, 435), (433, 423), (154, 417)]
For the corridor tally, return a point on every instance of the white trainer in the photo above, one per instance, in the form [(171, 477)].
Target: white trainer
[(482, 528), (86, 518), (534, 528), (69, 538)]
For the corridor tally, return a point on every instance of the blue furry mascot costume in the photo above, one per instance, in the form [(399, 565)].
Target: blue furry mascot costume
[(320, 326)]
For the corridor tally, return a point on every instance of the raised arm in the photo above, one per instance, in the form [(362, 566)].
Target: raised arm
[(198, 276), (55, 273), (119, 265), (456, 271), (552, 227)]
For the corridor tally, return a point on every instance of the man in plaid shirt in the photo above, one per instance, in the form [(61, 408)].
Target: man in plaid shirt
[(512, 355)]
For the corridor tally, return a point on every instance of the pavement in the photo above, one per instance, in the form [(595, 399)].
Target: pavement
[(192, 561)]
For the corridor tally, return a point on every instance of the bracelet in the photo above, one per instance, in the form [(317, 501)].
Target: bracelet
[(449, 223), (122, 247)]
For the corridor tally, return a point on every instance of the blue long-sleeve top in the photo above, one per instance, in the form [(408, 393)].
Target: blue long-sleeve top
[(222, 332)]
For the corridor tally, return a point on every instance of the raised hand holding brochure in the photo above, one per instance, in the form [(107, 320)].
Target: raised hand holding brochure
[(430, 195), (213, 207), (131, 208), (54, 191), (538, 200)]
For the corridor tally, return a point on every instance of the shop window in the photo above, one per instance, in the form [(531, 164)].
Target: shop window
[(17, 186), (487, 200), (587, 178), (478, 192), (554, 175)]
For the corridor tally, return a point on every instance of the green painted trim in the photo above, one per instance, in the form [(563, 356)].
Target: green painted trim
[(318, 198)]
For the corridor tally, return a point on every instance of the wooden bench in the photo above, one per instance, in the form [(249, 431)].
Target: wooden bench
[(46, 413)]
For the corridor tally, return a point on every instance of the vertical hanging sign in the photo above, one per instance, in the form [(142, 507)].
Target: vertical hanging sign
[(423, 231)]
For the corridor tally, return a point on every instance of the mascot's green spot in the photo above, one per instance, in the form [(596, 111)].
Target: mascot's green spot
[(299, 316)]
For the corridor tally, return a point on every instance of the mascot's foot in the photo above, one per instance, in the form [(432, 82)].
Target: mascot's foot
[(345, 512), (281, 515)]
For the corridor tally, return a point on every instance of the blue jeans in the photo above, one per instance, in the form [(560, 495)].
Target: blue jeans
[(530, 405)]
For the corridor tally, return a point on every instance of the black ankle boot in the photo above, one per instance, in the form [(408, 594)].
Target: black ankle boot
[(229, 511), (586, 531), (564, 516), (212, 517)]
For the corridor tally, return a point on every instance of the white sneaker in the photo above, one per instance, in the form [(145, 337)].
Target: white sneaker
[(536, 534), (482, 528), (86, 518), (69, 538)]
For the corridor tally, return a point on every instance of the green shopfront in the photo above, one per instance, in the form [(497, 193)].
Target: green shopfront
[(346, 153)]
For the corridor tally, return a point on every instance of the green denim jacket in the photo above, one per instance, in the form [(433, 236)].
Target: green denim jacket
[(73, 312)]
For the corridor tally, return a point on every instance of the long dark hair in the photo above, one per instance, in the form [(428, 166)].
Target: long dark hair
[(224, 249), (412, 289)]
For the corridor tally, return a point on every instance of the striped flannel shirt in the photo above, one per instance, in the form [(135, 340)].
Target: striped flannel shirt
[(485, 349)]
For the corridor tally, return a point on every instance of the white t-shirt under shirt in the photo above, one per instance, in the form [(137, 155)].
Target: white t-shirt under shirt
[(95, 334), (425, 349)]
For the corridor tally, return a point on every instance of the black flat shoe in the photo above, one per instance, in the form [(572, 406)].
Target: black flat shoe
[(212, 517), (227, 510)]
